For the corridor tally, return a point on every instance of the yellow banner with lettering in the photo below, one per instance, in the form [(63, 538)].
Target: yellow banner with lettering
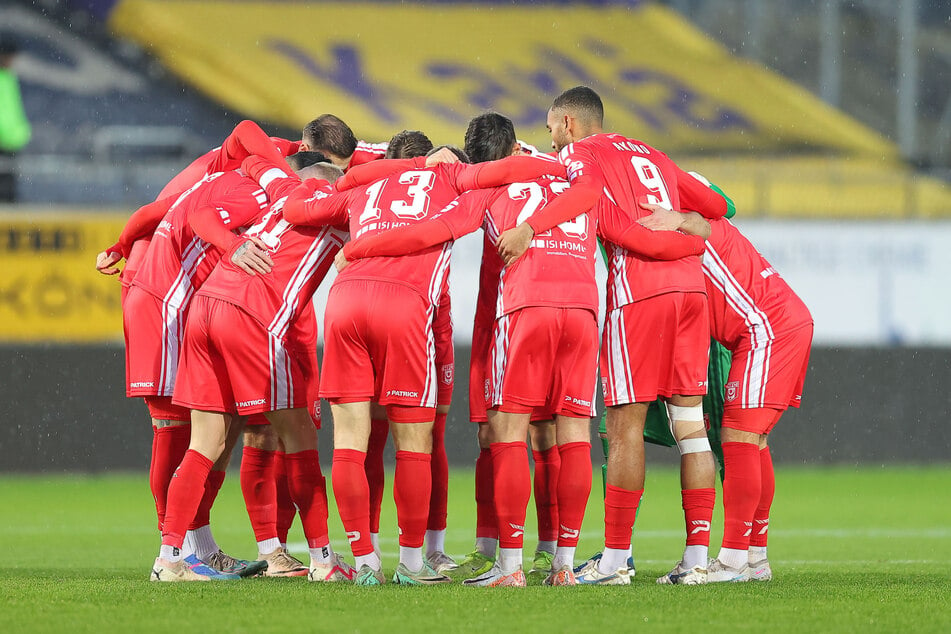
[(388, 67), (50, 290)]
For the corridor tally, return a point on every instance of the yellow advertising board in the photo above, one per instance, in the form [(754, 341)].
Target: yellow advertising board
[(388, 67), (50, 289)]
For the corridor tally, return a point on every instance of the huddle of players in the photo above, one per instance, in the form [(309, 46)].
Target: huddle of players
[(535, 354), (172, 247)]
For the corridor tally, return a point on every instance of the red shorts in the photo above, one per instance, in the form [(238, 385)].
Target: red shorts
[(257, 419), (162, 408), (656, 347), (378, 345), (308, 358), (545, 359), (230, 363), (313, 385), (445, 356), (478, 380), (153, 335), (771, 374), (760, 420)]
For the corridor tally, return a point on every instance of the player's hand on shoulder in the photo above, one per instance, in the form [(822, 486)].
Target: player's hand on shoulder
[(661, 218), (442, 155), (512, 243), (341, 261), (252, 256), (106, 262)]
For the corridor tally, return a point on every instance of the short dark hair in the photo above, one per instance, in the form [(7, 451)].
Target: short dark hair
[(408, 144), (330, 135), (305, 159), (327, 171), (489, 137), (581, 102), (460, 154)]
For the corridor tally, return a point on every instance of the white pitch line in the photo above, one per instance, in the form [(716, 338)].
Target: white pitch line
[(875, 533)]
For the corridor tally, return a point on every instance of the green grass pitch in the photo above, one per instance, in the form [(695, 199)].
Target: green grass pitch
[(853, 550)]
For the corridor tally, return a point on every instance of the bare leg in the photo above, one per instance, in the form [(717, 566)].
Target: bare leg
[(697, 470), (625, 429), (697, 482)]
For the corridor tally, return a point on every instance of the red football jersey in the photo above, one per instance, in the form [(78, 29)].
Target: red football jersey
[(749, 301), (178, 261), (489, 273), (403, 198), (405, 192), (132, 263), (628, 171), (367, 152), (302, 256), (558, 268)]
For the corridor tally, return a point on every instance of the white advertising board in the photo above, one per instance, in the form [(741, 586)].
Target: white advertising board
[(866, 283)]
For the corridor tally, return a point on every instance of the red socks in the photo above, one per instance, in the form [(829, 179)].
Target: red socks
[(547, 466), (761, 517), (260, 494), (620, 509), (184, 495), (741, 492), (698, 513), (169, 445), (309, 492), (439, 498), (379, 430), (203, 514), (285, 505), (353, 498), (574, 487), (412, 484), (510, 466), (487, 524)]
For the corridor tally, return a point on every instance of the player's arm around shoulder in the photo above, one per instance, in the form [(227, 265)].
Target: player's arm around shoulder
[(617, 226), (574, 201), (663, 219), (277, 179), (314, 203), (511, 169), (406, 239), (373, 171), (696, 194)]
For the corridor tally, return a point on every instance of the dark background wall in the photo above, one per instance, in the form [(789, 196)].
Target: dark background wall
[(64, 410)]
